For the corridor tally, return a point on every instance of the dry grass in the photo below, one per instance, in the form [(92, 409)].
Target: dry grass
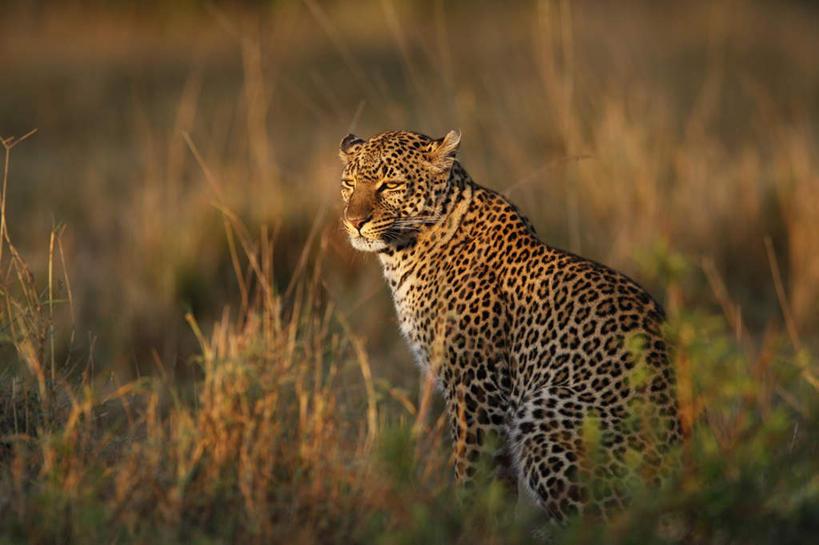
[(192, 352)]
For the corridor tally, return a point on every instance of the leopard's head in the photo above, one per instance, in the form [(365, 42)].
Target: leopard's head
[(393, 185)]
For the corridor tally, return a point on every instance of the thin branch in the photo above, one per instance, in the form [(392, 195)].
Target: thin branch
[(790, 325)]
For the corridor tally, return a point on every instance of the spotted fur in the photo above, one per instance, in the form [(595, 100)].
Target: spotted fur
[(539, 347)]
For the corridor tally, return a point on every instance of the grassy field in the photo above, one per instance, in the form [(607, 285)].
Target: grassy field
[(190, 351)]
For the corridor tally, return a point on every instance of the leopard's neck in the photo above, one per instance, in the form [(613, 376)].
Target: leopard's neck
[(455, 202), (415, 271)]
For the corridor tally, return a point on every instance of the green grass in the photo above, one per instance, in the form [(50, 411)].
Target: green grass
[(191, 352)]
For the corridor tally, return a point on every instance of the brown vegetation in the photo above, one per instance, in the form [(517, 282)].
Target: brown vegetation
[(174, 221)]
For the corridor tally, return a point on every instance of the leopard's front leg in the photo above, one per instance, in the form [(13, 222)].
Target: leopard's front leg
[(473, 420)]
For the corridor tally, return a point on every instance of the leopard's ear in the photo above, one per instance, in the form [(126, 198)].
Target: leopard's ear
[(348, 146), (443, 151)]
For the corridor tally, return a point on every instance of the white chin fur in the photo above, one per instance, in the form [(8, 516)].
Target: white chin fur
[(367, 244)]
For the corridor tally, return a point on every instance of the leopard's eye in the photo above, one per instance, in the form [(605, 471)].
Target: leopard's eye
[(348, 183), (391, 186)]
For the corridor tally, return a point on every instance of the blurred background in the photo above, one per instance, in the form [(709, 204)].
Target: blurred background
[(669, 140), (191, 351)]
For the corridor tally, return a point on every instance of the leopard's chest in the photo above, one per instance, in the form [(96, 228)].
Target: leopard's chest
[(415, 291)]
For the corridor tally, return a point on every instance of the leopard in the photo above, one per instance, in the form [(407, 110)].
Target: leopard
[(559, 360)]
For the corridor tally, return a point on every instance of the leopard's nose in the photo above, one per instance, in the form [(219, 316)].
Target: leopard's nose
[(359, 222)]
